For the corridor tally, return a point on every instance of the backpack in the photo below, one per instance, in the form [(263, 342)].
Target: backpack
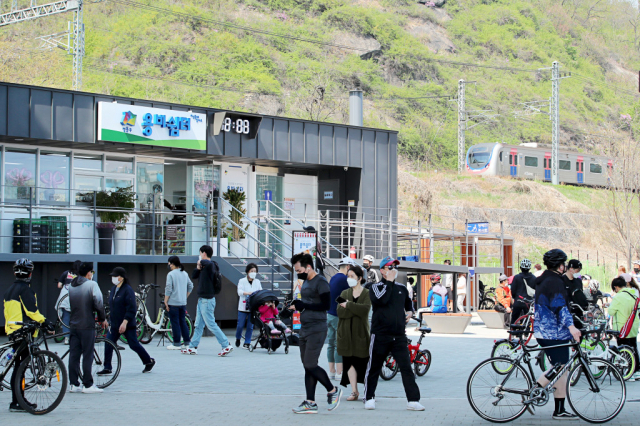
[(626, 328), (217, 278)]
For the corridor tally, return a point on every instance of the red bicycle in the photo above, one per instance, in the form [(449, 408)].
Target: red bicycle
[(421, 359)]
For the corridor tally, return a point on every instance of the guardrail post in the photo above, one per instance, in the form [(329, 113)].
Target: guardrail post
[(218, 230), (95, 213), (153, 224), (30, 218), (273, 265)]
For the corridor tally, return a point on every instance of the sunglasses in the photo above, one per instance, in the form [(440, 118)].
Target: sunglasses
[(391, 267)]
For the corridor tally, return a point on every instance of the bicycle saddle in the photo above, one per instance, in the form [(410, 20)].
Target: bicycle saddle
[(424, 330)]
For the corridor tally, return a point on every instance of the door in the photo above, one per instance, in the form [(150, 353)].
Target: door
[(203, 186), (329, 206), (580, 169), (513, 162), (547, 166), (269, 187)]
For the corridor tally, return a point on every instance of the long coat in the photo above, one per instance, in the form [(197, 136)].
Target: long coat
[(353, 325)]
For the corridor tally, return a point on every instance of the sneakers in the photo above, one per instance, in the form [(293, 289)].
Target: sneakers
[(190, 351), (148, 367), (66, 341), (237, 343), (183, 347), (636, 376), (104, 372), (565, 415), (338, 376), (174, 348), (306, 408), (226, 351), (332, 376), (415, 406), (14, 407), (287, 330), (274, 332), (246, 345), (75, 389), (92, 389), (333, 398), (370, 404)]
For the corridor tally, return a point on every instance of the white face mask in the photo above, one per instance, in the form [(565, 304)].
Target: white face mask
[(352, 282), (115, 280), (252, 275)]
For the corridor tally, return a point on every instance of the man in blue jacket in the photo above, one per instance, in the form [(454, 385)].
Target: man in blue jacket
[(123, 309)]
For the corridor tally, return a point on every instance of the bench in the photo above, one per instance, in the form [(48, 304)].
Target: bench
[(492, 319), (446, 323)]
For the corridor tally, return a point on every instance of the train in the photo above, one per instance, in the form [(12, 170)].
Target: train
[(532, 161)]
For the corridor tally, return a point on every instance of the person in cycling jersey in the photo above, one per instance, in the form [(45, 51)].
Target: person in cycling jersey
[(553, 325), (20, 305), (437, 298), (522, 289)]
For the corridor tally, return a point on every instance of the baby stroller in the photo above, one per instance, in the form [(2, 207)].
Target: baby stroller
[(266, 339)]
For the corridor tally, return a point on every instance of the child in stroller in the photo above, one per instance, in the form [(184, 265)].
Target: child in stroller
[(269, 316)]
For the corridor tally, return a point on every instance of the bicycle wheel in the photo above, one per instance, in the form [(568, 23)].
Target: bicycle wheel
[(487, 395), (104, 380), (487, 304), (190, 326), (60, 311), (503, 349), (147, 337), (601, 404), (422, 362), (389, 368), (625, 362), (59, 330), (42, 378)]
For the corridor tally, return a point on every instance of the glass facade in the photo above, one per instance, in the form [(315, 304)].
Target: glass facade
[(54, 178), (19, 175)]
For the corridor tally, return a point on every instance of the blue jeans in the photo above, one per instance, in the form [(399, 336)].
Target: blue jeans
[(205, 316), (66, 317), (244, 318), (179, 328), (332, 339), (132, 341)]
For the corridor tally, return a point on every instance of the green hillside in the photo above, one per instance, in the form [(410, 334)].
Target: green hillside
[(402, 50)]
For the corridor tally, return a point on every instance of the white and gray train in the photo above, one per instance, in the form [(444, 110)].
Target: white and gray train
[(529, 161)]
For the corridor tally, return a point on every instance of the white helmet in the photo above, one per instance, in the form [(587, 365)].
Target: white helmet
[(369, 258), (525, 264)]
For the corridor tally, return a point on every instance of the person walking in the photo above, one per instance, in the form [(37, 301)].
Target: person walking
[(178, 289), (621, 310), (392, 310), (372, 275), (522, 290), (63, 284), (122, 310), (338, 284), (85, 298), (503, 297), (209, 285), (313, 305), (246, 287), (353, 331), (461, 289)]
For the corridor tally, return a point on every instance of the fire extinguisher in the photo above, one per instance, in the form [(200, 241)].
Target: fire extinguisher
[(352, 252)]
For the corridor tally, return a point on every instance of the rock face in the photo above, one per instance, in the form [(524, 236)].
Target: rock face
[(431, 34)]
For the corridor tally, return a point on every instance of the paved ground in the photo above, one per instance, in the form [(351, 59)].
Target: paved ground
[(259, 389)]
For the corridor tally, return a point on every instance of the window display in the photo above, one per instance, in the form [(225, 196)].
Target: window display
[(20, 171)]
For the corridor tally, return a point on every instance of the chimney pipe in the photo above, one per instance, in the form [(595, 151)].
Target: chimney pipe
[(355, 105)]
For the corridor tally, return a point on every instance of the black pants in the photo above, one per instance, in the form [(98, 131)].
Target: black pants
[(132, 341), (380, 347), (519, 309), (19, 357), (310, 348), (81, 344), (633, 342)]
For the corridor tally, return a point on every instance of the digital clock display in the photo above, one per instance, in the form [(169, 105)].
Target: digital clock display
[(238, 123)]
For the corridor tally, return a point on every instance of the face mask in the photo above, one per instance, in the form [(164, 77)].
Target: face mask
[(169, 267), (636, 270), (391, 275), (366, 266), (115, 280), (200, 256), (252, 275), (303, 276), (578, 275), (352, 282)]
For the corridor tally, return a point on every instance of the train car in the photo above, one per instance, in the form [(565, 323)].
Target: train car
[(530, 161)]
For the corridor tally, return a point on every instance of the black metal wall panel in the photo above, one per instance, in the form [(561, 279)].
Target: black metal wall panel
[(355, 147), (382, 172), (326, 144), (231, 144), (3, 110), (265, 139), (341, 146), (84, 118), (248, 147), (18, 101), (296, 132), (393, 170), (144, 104), (312, 147), (281, 139), (62, 124), (40, 114)]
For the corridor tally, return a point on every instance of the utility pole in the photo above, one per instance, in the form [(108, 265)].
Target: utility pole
[(555, 120), (78, 47), (462, 123)]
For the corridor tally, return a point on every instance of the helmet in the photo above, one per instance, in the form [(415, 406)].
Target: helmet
[(435, 278), (369, 258), (525, 264), (554, 258), (594, 286), (23, 267)]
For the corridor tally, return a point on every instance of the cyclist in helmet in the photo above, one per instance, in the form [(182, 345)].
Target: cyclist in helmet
[(553, 324), (372, 275), (592, 293), (522, 288), (437, 297), (20, 305)]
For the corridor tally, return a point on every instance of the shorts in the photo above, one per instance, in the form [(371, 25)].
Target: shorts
[(556, 355)]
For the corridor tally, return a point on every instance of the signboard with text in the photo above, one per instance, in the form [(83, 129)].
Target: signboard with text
[(478, 227)]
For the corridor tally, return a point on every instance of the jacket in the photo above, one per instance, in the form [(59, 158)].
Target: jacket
[(178, 286), (353, 325), (390, 301), (338, 284), (122, 306), (552, 317), (437, 301), (85, 298), (245, 286), (503, 294), (20, 304), (268, 313), (206, 279), (518, 286), (621, 309)]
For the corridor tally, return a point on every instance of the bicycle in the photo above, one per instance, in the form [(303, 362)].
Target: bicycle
[(488, 299), (421, 359), (42, 376), (162, 324), (499, 398)]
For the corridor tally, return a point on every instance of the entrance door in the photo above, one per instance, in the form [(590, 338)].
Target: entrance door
[(580, 169), (513, 162), (269, 187), (547, 166), (203, 186)]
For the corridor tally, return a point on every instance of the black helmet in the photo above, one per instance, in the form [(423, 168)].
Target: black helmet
[(554, 258), (23, 268)]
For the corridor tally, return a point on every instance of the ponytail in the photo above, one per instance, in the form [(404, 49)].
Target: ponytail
[(175, 261)]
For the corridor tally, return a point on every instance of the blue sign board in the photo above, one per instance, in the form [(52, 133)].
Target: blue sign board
[(268, 195), (478, 227)]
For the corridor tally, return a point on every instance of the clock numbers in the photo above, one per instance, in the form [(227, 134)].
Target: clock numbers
[(226, 126), (239, 126)]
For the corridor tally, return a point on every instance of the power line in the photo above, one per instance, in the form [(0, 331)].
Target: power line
[(602, 83)]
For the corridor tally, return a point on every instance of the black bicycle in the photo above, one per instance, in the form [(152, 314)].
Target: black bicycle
[(596, 390), (41, 376)]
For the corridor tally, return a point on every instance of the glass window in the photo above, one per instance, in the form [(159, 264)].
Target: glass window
[(531, 161), (564, 165), (87, 162), (20, 171), (206, 182), (54, 177), (150, 181), (118, 165), (595, 168), (85, 185), (113, 184), (478, 159)]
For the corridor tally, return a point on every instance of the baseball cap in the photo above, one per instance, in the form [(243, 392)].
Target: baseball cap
[(389, 261), (574, 264), (503, 277), (626, 277), (118, 272), (346, 261)]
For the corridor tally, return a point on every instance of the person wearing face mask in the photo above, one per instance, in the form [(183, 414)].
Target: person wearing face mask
[(338, 284), (353, 331), (622, 308), (372, 275), (246, 287), (573, 286), (122, 309), (178, 289), (553, 324), (392, 310), (636, 271)]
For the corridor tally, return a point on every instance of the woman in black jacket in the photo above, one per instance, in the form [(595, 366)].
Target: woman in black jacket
[(122, 307)]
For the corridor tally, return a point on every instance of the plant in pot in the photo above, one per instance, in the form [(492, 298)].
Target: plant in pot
[(237, 200), (119, 203)]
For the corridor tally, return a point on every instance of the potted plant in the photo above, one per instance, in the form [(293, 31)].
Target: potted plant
[(237, 200), (117, 202)]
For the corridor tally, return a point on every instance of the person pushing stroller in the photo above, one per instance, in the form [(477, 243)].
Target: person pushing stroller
[(269, 316)]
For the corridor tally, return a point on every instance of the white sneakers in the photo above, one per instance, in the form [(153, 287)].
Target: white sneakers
[(635, 377), (370, 404), (415, 406), (190, 351), (75, 389), (174, 348), (338, 376), (92, 389)]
